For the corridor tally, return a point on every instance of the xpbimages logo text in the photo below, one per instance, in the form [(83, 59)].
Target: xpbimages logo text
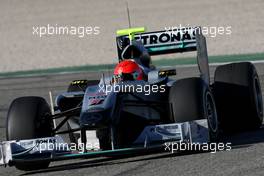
[(147, 89), (193, 146), (53, 30), (209, 31), (79, 147)]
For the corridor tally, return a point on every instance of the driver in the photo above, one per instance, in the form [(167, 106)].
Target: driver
[(128, 70)]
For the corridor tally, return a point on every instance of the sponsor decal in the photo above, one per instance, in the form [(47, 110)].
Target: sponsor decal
[(47, 141), (161, 38), (97, 99), (173, 36)]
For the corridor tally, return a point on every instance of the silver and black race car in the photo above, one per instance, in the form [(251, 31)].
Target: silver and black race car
[(128, 115)]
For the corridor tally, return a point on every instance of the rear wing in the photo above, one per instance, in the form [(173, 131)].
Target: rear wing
[(171, 41), (163, 42)]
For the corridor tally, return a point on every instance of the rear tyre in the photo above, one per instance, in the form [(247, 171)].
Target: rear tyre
[(26, 119), (191, 99), (238, 97)]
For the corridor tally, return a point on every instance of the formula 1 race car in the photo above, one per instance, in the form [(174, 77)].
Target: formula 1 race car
[(139, 107)]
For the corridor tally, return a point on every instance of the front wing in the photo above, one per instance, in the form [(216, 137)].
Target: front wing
[(152, 137)]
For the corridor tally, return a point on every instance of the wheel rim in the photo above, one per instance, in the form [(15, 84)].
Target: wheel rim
[(258, 96), (211, 113)]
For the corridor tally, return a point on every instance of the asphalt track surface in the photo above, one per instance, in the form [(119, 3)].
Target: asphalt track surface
[(245, 158)]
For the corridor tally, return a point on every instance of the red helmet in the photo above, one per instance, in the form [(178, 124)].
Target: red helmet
[(128, 70)]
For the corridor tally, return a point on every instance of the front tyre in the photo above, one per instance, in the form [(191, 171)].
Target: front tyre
[(211, 114), (27, 119), (191, 99)]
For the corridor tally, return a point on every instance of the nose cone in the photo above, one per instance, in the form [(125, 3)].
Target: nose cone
[(95, 118)]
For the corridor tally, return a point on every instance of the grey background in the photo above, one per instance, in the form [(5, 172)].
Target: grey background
[(20, 50)]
